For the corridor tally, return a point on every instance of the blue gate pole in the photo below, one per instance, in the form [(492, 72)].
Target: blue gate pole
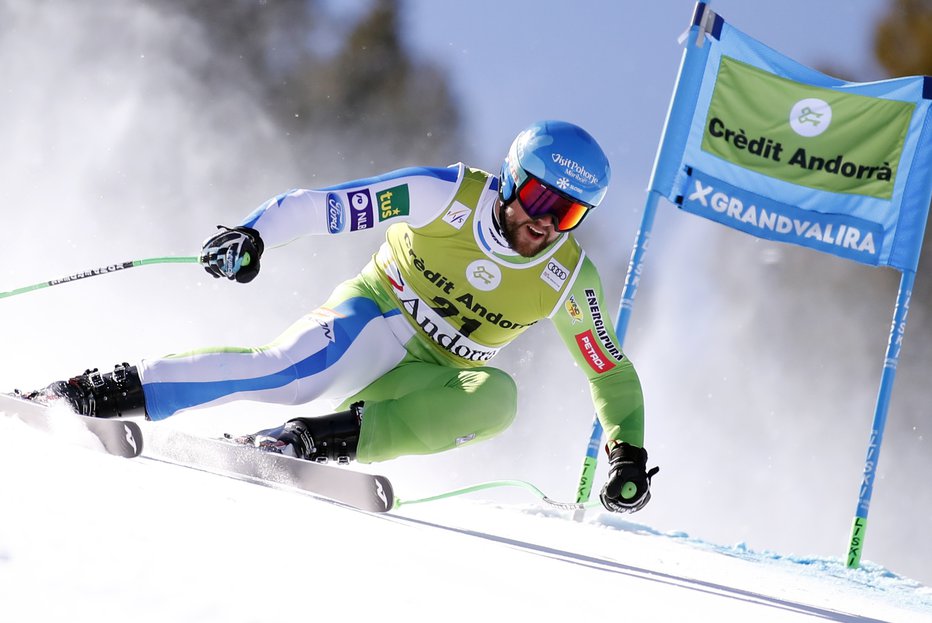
[(894, 346), (632, 280), (635, 266), (687, 86)]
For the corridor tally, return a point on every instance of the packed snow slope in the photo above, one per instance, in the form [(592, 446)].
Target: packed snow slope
[(85, 536), (759, 368)]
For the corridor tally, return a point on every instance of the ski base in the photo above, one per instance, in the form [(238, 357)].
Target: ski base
[(118, 437), (360, 490)]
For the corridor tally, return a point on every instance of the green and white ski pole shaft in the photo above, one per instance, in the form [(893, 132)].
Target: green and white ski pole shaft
[(103, 270)]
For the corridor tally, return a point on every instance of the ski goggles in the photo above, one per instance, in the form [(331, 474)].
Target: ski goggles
[(539, 200)]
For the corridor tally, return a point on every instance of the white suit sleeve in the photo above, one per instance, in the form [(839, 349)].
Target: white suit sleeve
[(416, 195)]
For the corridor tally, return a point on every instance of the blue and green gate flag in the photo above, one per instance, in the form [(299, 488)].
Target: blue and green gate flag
[(763, 144)]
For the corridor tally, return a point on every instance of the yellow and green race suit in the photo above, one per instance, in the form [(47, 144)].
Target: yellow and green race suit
[(413, 334)]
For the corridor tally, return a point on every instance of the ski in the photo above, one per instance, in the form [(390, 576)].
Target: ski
[(359, 490), (118, 437)]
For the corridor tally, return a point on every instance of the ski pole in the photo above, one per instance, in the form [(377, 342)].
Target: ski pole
[(103, 270)]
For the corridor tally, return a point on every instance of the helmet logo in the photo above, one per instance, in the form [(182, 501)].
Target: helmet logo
[(575, 170), (563, 183), (513, 167)]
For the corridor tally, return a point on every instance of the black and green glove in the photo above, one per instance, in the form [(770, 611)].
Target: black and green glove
[(628, 487), (233, 253)]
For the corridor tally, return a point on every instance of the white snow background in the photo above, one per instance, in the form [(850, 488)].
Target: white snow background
[(114, 150), (85, 536)]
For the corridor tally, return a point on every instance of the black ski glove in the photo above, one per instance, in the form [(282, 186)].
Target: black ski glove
[(628, 487), (233, 253)]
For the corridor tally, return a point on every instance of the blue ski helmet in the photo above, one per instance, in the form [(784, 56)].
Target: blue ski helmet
[(561, 155)]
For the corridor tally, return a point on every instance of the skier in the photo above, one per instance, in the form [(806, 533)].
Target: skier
[(469, 262)]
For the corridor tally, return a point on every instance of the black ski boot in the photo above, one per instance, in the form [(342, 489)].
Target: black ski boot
[(332, 437), (112, 394)]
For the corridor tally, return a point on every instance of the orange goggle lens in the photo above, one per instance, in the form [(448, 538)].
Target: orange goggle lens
[(540, 200)]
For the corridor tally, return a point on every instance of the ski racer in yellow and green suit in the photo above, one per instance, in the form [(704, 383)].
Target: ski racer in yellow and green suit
[(469, 262)]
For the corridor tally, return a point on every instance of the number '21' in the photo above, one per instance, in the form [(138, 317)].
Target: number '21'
[(445, 308)]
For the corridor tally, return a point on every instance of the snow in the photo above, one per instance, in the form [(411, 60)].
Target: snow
[(136, 156), (85, 536)]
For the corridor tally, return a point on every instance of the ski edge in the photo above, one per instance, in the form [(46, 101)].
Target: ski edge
[(359, 490)]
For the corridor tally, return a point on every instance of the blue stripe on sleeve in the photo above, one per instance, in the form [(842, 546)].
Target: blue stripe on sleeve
[(250, 220), (448, 174)]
